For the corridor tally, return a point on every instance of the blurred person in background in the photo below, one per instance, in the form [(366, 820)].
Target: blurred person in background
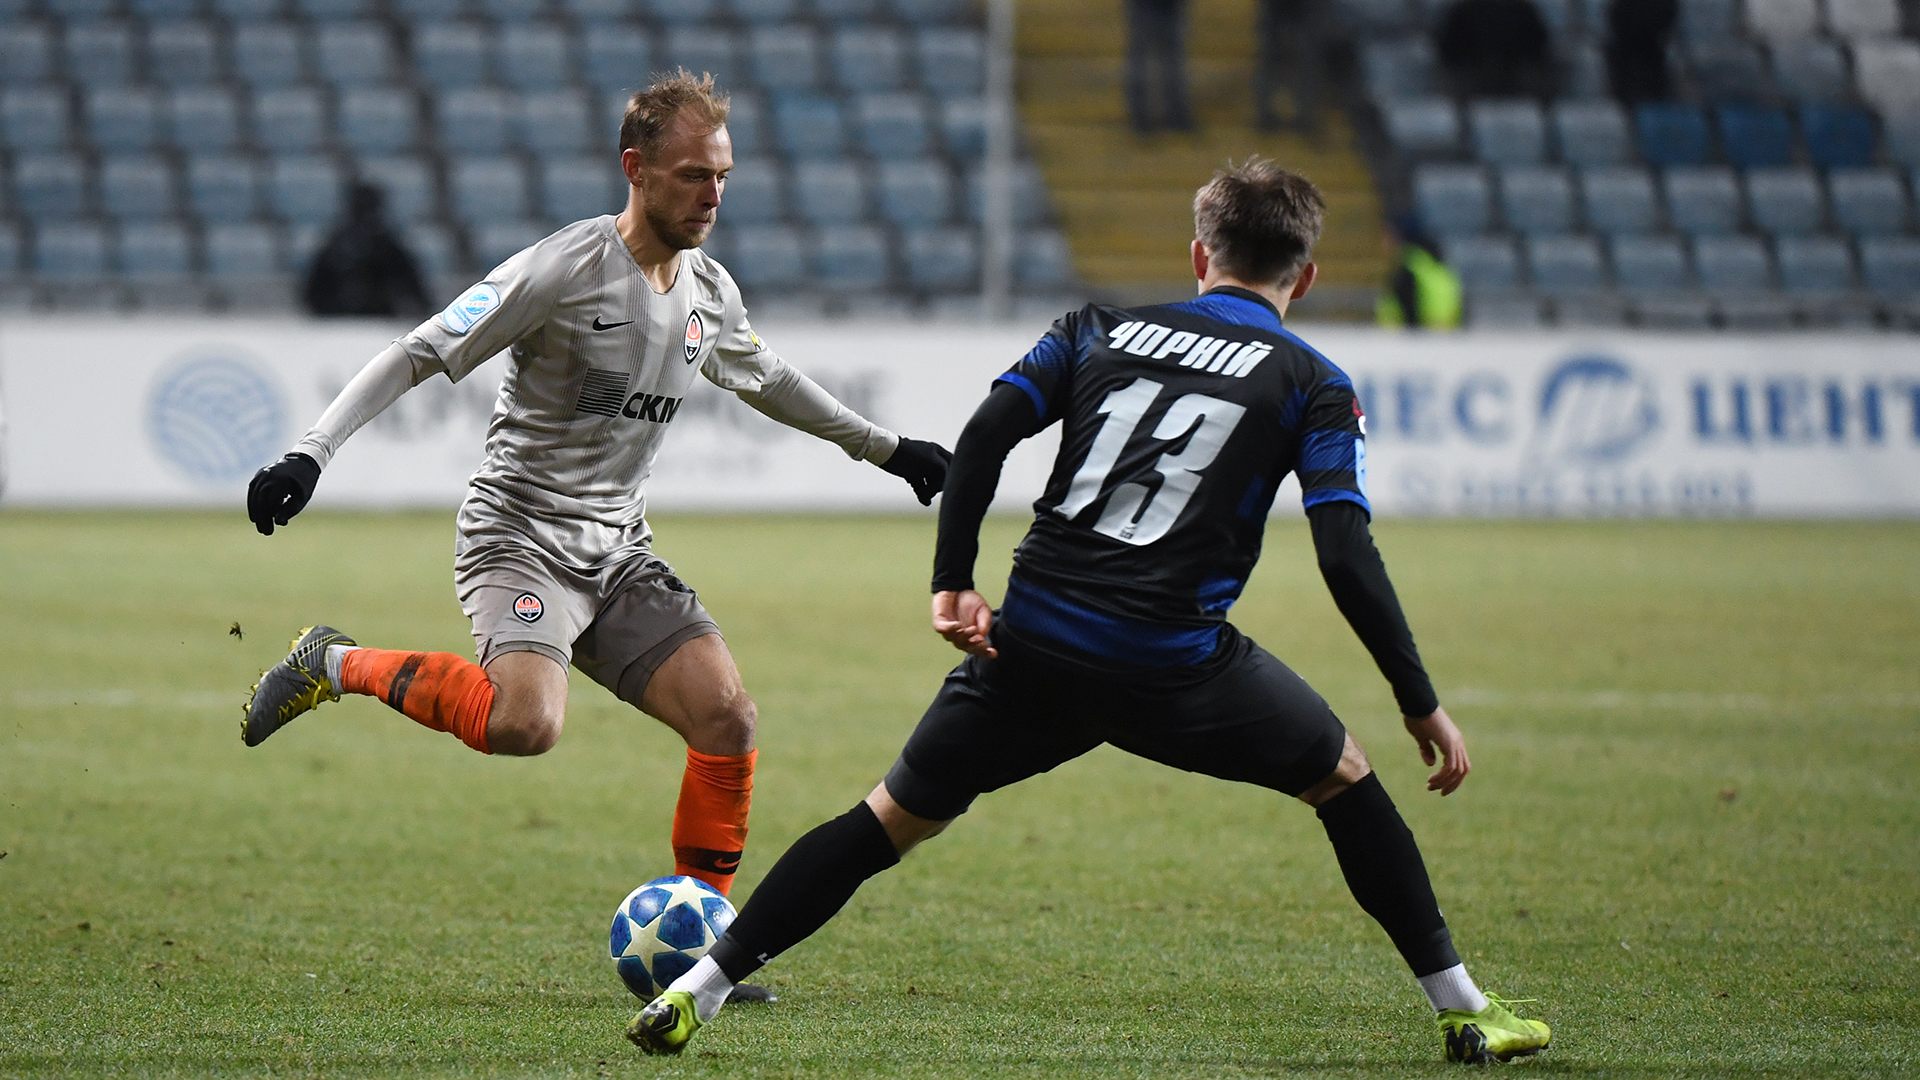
[(1495, 48), (1157, 39), (1638, 33), (1422, 293), (1290, 43), (363, 268)]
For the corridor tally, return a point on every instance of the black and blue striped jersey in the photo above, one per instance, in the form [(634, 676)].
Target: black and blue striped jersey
[(1179, 423)]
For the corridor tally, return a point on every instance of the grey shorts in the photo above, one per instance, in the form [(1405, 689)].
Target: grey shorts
[(617, 624)]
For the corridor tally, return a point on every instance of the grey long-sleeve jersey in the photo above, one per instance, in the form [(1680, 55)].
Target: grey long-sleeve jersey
[(599, 365)]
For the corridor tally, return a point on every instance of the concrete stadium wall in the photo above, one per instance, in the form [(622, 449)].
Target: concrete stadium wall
[(109, 411)]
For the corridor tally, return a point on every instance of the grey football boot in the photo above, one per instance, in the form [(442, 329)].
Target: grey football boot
[(292, 686)]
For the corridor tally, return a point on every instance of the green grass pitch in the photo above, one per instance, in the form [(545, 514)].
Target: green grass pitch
[(1690, 832)]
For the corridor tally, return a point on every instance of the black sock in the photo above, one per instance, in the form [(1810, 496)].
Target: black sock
[(1383, 868), (808, 886)]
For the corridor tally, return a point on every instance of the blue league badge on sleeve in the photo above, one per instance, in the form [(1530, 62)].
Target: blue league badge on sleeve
[(473, 305)]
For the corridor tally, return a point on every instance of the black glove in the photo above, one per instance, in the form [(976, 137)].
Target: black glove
[(280, 491), (922, 464)]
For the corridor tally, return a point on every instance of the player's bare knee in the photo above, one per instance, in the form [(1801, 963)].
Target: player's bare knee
[(1352, 769), (724, 726), (524, 731)]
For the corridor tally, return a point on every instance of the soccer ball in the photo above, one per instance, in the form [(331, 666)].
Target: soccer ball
[(662, 929)]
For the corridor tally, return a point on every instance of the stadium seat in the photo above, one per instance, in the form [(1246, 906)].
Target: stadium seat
[(829, 192), (1422, 127), (426, 12), (1731, 263), (1811, 70), (682, 11), (963, 126), (1837, 135), (850, 257), (1501, 310), (26, 54), (154, 251), (511, 11), (915, 193), (843, 11), (1671, 133), (289, 119), (704, 49), (450, 56), (534, 57), (784, 57), (70, 252), (1648, 263), (755, 192), (304, 190), (353, 54), (616, 58), (868, 58), (1888, 74), (942, 259), (1536, 199), (474, 121), (50, 186), (1786, 202), (100, 53), (434, 253), (222, 188), (485, 189), (12, 247), (1507, 132), (1483, 262), (381, 121), (747, 124), (1702, 199), (573, 189), (1783, 21), (767, 257), (203, 119), (244, 251), (763, 11), (138, 187), (1585, 75), (160, 10), (1452, 198), (182, 54), (1706, 21), (1863, 19), (1813, 264), (267, 56), (1374, 18), (1754, 136), (1565, 263), (36, 118), (1867, 202), (931, 11), (560, 122), (1618, 199), (241, 11), (495, 241), (323, 11), (407, 182), (1402, 68), (1042, 259), (891, 126), (1591, 133), (1029, 194), (808, 126), (1891, 265), (1903, 139), (122, 118), (952, 62)]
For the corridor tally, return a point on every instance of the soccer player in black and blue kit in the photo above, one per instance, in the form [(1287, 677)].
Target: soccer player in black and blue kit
[(1179, 422)]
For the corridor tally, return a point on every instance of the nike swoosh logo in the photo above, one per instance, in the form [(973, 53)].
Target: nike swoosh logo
[(598, 325)]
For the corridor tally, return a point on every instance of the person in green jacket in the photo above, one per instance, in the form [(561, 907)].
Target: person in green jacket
[(1422, 292)]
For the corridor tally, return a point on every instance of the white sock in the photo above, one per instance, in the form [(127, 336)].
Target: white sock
[(709, 987), (1453, 989), (336, 656)]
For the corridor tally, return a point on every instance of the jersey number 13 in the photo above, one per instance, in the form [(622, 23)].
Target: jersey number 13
[(1124, 518)]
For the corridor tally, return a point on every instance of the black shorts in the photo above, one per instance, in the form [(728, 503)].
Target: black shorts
[(997, 722)]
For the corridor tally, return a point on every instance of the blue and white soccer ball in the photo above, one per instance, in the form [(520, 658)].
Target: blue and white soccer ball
[(663, 928)]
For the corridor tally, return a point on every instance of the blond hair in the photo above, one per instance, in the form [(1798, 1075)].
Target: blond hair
[(651, 111)]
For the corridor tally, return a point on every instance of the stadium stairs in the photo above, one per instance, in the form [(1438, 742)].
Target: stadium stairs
[(1124, 200)]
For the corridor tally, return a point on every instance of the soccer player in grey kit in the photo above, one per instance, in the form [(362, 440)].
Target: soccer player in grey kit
[(607, 320)]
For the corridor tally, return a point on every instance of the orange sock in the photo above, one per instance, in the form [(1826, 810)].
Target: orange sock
[(710, 823), (438, 690)]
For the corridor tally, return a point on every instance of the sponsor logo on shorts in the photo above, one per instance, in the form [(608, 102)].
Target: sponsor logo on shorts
[(527, 608), (695, 332)]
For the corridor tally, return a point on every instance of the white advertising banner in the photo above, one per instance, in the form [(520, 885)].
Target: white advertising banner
[(181, 412)]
